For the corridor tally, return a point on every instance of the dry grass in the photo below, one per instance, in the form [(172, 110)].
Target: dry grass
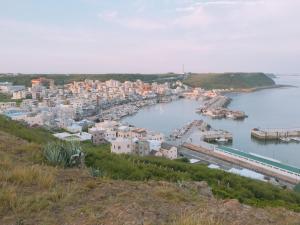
[(32, 175), (202, 217), (8, 199), (24, 175)]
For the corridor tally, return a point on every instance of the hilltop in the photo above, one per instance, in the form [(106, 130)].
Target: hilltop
[(236, 81), (60, 79), (229, 80), (129, 190)]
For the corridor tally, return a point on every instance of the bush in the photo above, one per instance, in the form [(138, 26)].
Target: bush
[(66, 154)]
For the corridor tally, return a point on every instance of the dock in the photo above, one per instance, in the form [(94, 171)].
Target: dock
[(267, 166), (275, 134), (213, 135)]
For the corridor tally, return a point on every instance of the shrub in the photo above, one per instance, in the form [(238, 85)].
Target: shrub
[(297, 188), (66, 154)]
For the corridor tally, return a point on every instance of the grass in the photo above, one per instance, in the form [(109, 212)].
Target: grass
[(197, 218), (35, 135), (229, 80), (224, 185)]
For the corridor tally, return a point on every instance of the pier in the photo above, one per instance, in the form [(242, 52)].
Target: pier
[(214, 135), (199, 131), (275, 134)]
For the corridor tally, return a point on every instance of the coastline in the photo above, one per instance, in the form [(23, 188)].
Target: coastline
[(248, 90)]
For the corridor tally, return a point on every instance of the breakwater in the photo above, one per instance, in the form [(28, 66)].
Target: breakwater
[(216, 109), (275, 134)]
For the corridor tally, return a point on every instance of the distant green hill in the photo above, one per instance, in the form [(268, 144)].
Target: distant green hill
[(25, 79), (229, 80)]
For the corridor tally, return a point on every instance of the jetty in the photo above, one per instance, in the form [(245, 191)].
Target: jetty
[(276, 134), (216, 109)]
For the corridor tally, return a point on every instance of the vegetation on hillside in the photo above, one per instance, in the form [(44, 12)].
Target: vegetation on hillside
[(104, 164), (25, 79), (18, 129), (229, 80), (66, 154), (34, 192), (224, 185)]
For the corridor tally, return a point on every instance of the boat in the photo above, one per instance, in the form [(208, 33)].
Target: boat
[(221, 140), (285, 139), (296, 139)]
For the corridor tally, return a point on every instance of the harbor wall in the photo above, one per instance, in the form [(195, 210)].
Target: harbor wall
[(275, 134), (246, 163)]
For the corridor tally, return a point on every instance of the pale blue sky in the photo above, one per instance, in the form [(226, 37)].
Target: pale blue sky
[(148, 36)]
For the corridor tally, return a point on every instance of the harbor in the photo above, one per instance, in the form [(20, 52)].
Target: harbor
[(176, 114)]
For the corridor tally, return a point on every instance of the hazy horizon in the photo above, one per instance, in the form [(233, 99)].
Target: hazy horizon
[(139, 36)]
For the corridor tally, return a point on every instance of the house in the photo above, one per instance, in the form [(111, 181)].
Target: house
[(168, 151), (138, 132), (124, 132), (98, 136), (155, 136), (82, 136), (122, 145), (142, 148)]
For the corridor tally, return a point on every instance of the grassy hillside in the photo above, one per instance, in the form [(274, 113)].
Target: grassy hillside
[(125, 189), (104, 164), (32, 192), (229, 80), (17, 129), (224, 185), (25, 79)]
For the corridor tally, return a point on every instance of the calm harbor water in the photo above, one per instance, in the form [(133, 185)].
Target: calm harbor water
[(269, 108)]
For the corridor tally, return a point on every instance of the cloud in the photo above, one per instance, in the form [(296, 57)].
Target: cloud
[(108, 15), (228, 2), (137, 23), (193, 17)]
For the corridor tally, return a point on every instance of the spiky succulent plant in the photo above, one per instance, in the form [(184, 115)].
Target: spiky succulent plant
[(66, 154)]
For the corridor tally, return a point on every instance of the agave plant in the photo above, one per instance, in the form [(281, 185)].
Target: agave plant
[(66, 154)]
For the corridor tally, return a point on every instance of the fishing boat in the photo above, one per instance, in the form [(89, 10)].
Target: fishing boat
[(285, 139), (221, 140)]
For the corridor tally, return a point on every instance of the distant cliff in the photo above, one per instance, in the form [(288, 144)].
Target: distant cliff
[(229, 80)]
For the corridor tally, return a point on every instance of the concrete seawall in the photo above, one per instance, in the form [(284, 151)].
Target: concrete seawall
[(274, 134), (242, 163)]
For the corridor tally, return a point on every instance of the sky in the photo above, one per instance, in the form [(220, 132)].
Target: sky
[(149, 36)]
